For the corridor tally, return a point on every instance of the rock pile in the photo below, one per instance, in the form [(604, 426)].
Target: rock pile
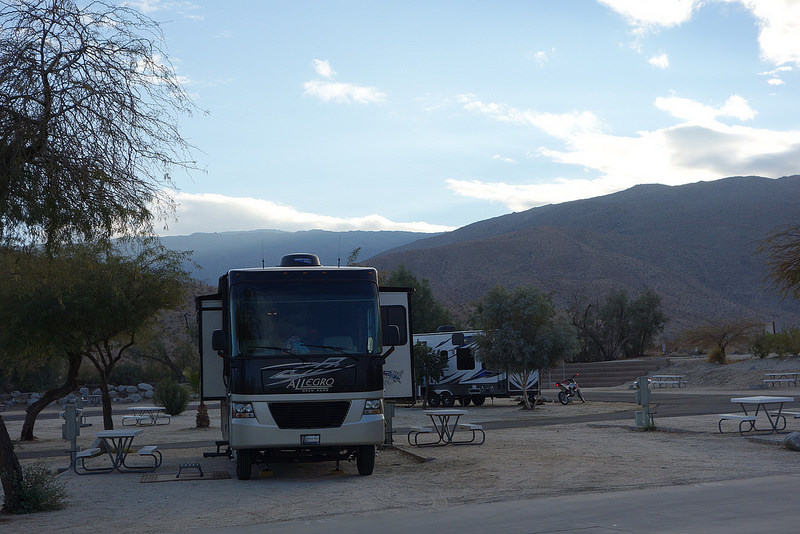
[(85, 396)]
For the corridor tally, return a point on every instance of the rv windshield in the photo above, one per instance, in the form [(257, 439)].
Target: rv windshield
[(304, 318)]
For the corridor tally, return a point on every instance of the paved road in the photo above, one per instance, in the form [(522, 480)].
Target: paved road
[(763, 505)]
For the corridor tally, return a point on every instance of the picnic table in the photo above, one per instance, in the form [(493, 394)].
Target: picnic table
[(668, 380), (445, 424), (116, 445), (781, 378), (145, 416), (763, 403)]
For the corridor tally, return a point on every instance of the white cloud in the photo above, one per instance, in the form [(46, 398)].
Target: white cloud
[(323, 68), (504, 159), (660, 61), (540, 57), (779, 25), (555, 124), (778, 21), (343, 93), (650, 14), (219, 213), (339, 92), (699, 147), (694, 112)]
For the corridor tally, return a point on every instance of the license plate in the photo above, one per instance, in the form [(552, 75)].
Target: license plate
[(309, 439)]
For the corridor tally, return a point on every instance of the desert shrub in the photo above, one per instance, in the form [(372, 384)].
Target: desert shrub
[(172, 396), (761, 345), (126, 373), (787, 342), (716, 355), (38, 489)]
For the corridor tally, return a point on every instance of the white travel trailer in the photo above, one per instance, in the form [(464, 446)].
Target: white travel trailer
[(465, 379)]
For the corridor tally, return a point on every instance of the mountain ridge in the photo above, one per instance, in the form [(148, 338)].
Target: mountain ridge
[(695, 244)]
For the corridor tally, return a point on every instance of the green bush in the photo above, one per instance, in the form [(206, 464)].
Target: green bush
[(39, 490), (761, 345), (172, 396)]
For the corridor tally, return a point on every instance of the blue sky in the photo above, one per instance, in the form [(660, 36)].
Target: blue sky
[(430, 115)]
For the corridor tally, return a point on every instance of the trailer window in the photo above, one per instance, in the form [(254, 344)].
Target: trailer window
[(464, 359), (395, 315)]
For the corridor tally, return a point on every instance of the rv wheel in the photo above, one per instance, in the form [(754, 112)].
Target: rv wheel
[(244, 464), (365, 459), (478, 400), (448, 400), (464, 401), (434, 400)]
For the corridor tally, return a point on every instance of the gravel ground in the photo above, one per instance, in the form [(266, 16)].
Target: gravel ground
[(523, 462)]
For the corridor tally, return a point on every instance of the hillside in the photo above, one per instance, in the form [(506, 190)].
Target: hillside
[(216, 253), (696, 245)]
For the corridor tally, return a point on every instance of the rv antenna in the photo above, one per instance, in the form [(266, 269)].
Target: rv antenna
[(339, 259), (262, 252)]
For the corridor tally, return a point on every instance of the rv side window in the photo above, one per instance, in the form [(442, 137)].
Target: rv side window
[(464, 359), (395, 315)]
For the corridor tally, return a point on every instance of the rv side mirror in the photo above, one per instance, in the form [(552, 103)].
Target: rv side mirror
[(391, 335), (218, 341), (458, 339)]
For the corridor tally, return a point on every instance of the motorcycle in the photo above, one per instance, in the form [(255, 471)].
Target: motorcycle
[(569, 388)]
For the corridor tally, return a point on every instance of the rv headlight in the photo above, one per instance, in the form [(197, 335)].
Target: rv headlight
[(373, 406), (242, 410)]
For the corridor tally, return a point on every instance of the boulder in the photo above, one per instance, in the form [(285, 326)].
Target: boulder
[(131, 390), (148, 394), (792, 441), (144, 386), (134, 398)]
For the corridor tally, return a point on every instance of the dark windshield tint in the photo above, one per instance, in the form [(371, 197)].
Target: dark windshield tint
[(315, 317)]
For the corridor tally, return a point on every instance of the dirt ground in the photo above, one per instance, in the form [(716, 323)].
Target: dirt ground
[(537, 459)]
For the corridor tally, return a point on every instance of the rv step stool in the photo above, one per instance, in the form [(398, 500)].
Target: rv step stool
[(181, 467)]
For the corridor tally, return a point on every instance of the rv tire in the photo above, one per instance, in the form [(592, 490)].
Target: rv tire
[(478, 400), (448, 400), (464, 400), (434, 400), (365, 459), (244, 464)]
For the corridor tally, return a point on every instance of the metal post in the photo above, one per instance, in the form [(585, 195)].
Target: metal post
[(70, 431)]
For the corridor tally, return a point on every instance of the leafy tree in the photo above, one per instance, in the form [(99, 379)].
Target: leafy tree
[(617, 326), (131, 291), (353, 258), (428, 313), (522, 333), (783, 259), (86, 301), (646, 322), (429, 366), (89, 108), (717, 336)]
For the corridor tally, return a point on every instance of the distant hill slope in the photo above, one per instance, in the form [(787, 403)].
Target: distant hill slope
[(218, 252), (694, 244)]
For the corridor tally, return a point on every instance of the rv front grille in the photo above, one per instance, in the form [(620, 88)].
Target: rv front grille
[(309, 414)]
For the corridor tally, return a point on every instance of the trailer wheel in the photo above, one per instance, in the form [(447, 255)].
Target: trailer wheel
[(464, 400), (365, 459), (478, 400), (434, 400), (244, 464), (448, 400)]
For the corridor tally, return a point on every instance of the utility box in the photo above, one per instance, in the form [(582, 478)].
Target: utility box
[(72, 422)]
